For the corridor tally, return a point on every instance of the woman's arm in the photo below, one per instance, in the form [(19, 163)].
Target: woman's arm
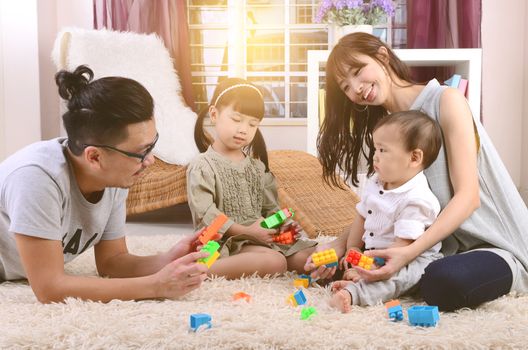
[(460, 144)]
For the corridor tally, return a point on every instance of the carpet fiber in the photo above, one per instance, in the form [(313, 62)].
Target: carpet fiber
[(267, 322)]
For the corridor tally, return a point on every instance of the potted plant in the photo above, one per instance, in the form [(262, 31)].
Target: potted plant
[(347, 16)]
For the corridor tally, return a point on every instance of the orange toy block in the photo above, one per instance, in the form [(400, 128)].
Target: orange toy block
[(242, 295), (286, 237), (211, 232)]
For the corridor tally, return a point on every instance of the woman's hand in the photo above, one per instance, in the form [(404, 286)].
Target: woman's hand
[(395, 259)]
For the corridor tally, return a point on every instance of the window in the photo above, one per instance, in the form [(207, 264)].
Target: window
[(264, 41)]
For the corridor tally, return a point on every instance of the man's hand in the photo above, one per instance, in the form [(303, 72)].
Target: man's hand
[(181, 276), (186, 245)]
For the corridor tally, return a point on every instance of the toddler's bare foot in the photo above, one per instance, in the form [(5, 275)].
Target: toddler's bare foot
[(341, 300)]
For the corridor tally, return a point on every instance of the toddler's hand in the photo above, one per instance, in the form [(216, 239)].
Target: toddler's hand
[(322, 272), (351, 275)]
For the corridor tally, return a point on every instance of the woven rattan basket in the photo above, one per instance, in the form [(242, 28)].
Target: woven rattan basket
[(161, 186), (319, 209)]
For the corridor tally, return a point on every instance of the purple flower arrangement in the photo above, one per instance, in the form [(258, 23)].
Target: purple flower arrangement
[(355, 12)]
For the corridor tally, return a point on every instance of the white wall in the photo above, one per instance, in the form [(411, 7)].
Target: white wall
[(504, 79), (524, 167), (53, 16), (20, 108)]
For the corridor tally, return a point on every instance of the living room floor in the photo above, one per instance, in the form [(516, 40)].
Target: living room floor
[(176, 219)]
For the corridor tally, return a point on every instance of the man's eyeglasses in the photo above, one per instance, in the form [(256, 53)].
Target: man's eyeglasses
[(140, 156)]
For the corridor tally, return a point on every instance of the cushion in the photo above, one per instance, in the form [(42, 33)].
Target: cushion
[(319, 208), (143, 58)]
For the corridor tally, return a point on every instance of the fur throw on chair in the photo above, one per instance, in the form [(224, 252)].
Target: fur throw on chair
[(143, 58)]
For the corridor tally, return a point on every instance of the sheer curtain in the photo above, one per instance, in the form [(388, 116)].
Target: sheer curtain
[(442, 24), (166, 18)]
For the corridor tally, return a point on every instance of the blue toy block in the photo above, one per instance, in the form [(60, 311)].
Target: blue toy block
[(308, 277), (423, 316), (199, 320), (297, 298), (394, 310), (379, 261)]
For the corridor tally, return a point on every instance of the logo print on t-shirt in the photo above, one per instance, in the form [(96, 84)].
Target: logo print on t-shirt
[(72, 247)]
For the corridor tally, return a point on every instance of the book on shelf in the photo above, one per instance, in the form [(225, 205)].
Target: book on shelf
[(453, 81), (462, 86), (457, 82)]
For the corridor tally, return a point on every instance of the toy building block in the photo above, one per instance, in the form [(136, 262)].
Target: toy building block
[(326, 257), (242, 295), (286, 237), (211, 232), (307, 312), (200, 320), (423, 316), (394, 310), (212, 248), (363, 261), (302, 281), (277, 219), (297, 298), (379, 261)]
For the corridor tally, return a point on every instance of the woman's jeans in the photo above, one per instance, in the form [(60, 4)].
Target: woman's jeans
[(465, 280)]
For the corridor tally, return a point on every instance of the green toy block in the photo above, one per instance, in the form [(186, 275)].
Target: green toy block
[(212, 248), (277, 219), (308, 312)]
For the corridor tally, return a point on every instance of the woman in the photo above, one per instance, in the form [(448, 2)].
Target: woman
[(483, 215)]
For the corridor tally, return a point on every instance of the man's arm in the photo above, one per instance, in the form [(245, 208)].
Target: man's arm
[(44, 265)]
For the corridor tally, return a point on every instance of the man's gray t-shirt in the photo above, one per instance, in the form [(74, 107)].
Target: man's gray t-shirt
[(39, 197)]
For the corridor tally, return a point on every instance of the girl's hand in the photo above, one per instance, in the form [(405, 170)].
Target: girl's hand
[(262, 234), (395, 259), (322, 271), (292, 225)]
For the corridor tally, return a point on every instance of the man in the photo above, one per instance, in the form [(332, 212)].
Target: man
[(62, 196)]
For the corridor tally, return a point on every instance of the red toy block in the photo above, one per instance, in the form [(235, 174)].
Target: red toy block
[(358, 259), (211, 232), (286, 237)]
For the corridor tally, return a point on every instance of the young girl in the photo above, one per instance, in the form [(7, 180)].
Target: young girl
[(232, 177), (483, 215)]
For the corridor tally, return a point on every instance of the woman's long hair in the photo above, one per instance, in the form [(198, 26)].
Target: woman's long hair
[(347, 126)]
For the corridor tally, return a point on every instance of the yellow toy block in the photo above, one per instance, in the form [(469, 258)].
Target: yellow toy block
[(300, 282), (326, 257)]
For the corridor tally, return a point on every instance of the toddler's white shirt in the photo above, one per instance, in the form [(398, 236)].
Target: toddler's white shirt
[(404, 212)]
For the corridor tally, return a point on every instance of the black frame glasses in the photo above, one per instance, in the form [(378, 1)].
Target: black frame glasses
[(140, 156)]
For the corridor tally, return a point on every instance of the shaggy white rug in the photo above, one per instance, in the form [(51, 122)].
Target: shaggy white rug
[(267, 322)]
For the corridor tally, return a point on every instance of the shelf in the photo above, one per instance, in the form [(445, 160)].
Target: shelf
[(467, 62)]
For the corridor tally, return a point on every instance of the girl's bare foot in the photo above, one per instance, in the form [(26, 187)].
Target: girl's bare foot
[(341, 300)]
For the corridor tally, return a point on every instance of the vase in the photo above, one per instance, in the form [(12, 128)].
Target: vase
[(336, 32)]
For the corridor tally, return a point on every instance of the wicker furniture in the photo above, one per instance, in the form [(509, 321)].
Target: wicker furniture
[(319, 209)]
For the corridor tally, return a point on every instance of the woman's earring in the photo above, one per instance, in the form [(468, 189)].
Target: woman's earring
[(360, 110)]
